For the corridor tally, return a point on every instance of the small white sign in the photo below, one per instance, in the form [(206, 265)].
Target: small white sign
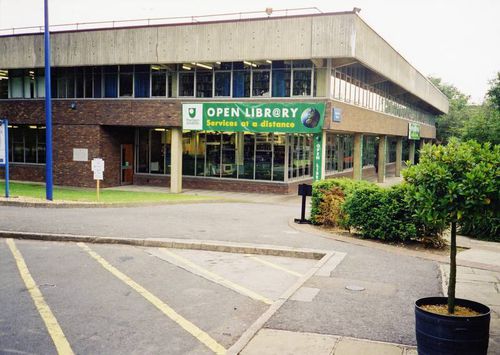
[(98, 168), (3, 158), (80, 154), (192, 116), (98, 175)]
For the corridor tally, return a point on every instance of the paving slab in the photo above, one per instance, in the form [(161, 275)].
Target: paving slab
[(273, 341), (349, 346)]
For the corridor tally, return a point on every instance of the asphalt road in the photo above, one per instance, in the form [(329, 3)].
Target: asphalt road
[(383, 311), (100, 313)]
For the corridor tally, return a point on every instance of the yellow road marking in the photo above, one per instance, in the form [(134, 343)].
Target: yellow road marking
[(55, 331), (218, 279), (273, 265), (162, 306)]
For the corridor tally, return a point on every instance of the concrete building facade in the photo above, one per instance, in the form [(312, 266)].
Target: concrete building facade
[(248, 105)]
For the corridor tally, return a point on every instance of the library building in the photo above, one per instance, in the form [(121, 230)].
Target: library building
[(255, 104)]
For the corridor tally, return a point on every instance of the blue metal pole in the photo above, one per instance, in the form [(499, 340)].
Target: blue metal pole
[(6, 165), (48, 110)]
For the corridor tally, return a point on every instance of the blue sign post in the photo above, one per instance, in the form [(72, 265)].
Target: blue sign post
[(48, 109), (4, 152)]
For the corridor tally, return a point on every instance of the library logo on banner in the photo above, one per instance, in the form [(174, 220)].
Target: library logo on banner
[(192, 116)]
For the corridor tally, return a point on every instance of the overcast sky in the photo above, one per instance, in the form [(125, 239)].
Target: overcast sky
[(457, 40)]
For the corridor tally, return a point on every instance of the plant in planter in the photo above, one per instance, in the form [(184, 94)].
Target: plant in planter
[(450, 182)]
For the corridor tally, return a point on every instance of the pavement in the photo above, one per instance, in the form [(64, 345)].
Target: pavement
[(325, 310)]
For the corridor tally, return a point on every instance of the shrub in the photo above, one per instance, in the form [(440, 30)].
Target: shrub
[(322, 190), (330, 208), (381, 214)]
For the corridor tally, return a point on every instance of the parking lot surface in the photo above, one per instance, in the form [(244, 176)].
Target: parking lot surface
[(116, 299)]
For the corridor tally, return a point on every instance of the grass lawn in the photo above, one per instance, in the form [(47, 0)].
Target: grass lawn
[(89, 195)]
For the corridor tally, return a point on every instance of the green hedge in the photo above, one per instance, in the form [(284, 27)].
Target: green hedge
[(372, 211), (324, 190)]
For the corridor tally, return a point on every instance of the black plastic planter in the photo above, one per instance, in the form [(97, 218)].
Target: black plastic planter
[(451, 335)]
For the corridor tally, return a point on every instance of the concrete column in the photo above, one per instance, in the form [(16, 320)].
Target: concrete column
[(399, 156), (176, 161), (357, 163), (382, 149), (412, 151)]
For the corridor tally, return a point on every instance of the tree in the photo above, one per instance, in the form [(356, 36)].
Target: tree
[(450, 124), (453, 181), (493, 94), (483, 125)]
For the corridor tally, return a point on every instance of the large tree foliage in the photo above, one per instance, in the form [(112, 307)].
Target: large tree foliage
[(455, 182), (451, 124), (467, 121)]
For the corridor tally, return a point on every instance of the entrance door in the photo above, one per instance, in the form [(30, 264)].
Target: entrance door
[(127, 164)]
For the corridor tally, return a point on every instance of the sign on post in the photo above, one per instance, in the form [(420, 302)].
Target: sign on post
[(4, 152), (98, 170)]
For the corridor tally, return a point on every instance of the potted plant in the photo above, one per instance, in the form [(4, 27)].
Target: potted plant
[(449, 182)]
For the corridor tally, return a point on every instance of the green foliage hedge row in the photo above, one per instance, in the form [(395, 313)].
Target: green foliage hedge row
[(373, 212)]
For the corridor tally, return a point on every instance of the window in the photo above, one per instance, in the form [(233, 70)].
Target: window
[(260, 83), (153, 151), (98, 91), (126, 80), (299, 155), (141, 81), (158, 81), (241, 79), (111, 81), (186, 81), (27, 144), (87, 78), (79, 82), (222, 83), (204, 83), (369, 147), (281, 78)]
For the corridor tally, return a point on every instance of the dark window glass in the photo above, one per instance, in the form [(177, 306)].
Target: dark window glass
[(160, 152), (281, 79), (30, 136), (302, 82), (143, 151), (70, 82), (17, 139), (111, 81), (79, 84), (97, 82), (228, 168), (260, 83), (126, 80), (186, 84), (222, 83), (246, 170), (41, 145), (88, 81), (279, 157), (263, 156), (241, 83), (213, 154), (189, 153), (4, 88), (141, 85), (204, 83), (159, 82)]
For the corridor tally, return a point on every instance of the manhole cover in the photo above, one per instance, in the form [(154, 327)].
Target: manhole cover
[(354, 288)]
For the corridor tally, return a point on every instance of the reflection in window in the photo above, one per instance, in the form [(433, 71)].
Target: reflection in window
[(260, 83), (141, 81), (27, 144), (186, 83), (302, 82), (222, 83), (126, 80), (204, 83), (111, 81), (158, 81), (281, 78)]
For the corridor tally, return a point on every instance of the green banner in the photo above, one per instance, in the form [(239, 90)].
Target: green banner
[(413, 131), (318, 157), (293, 117)]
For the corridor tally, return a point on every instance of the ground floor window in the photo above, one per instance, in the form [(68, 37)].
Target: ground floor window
[(339, 149), (391, 149), (152, 151), (27, 144), (246, 155), (369, 146)]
